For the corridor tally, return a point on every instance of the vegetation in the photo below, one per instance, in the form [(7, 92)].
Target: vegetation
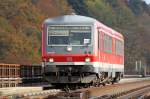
[(20, 28), (20, 22)]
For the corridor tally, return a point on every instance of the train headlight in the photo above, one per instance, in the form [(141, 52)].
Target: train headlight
[(87, 59), (69, 48), (51, 60)]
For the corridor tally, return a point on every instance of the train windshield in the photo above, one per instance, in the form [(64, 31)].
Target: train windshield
[(69, 35)]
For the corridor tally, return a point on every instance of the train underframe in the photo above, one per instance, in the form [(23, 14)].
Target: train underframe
[(79, 76)]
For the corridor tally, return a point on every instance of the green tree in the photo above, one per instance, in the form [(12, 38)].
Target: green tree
[(136, 6)]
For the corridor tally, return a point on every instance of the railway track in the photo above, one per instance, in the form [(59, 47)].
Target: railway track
[(37, 94), (132, 90), (121, 91)]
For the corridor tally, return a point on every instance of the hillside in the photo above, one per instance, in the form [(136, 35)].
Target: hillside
[(20, 22), (20, 28)]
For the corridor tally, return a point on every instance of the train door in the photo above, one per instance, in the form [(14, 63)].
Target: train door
[(99, 45), (99, 51), (113, 58)]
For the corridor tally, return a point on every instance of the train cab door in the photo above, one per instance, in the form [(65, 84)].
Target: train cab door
[(99, 45), (99, 50)]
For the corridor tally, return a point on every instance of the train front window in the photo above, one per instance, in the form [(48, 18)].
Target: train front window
[(58, 40), (58, 37), (68, 35), (78, 37)]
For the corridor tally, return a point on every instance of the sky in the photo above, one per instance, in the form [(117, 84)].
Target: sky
[(147, 1)]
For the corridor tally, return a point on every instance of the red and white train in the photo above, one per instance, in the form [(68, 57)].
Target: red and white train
[(81, 50)]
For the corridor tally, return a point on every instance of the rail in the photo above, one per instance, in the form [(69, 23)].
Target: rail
[(121, 90)]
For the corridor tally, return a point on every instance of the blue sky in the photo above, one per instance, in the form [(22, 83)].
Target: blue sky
[(147, 1)]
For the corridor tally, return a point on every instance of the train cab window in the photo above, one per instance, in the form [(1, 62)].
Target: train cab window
[(78, 37), (107, 43), (65, 35), (57, 37), (118, 47)]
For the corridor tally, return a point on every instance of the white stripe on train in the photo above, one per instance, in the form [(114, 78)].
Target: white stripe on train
[(94, 64)]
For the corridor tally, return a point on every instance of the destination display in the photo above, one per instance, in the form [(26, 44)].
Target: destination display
[(69, 28), (58, 33)]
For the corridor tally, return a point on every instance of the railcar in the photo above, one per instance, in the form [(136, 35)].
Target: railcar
[(81, 50)]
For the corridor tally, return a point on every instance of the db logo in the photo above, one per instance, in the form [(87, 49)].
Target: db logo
[(69, 59)]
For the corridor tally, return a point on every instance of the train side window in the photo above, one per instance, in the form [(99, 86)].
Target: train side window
[(118, 47), (110, 44), (107, 43)]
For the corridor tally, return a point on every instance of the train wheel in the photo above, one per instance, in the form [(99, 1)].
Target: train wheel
[(67, 89), (103, 84), (86, 85), (112, 82)]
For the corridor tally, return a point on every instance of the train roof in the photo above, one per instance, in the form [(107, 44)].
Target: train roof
[(78, 19), (109, 30), (70, 19)]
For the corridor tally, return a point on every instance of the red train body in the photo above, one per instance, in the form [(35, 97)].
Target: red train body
[(79, 49)]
